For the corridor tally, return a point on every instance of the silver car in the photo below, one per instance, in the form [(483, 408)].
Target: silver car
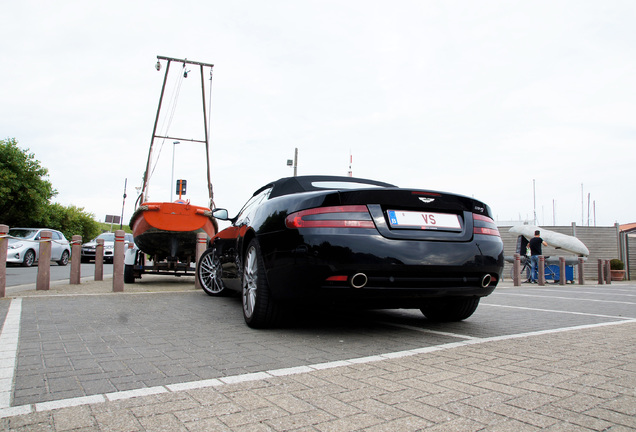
[(88, 249), (24, 246)]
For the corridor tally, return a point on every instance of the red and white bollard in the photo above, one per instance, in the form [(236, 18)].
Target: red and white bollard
[(99, 260), (118, 262), (516, 270), (4, 244), (44, 262), (76, 260), (202, 240), (562, 276)]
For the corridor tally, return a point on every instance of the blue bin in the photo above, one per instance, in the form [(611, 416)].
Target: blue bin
[(552, 272)]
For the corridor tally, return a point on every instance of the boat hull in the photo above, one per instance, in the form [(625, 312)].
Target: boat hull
[(169, 231)]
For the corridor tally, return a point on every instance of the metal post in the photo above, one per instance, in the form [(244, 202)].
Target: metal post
[(202, 240), (118, 262), (581, 271), (541, 270), (76, 260), (4, 244), (516, 269), (44, 262), (601, 267), (562, 275), (205, 128), (172, 187), (534, 200), (144, 189), (123, 203), (99, 260), (608, 272)]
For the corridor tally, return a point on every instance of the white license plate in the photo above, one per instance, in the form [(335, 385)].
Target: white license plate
[(423, 220)]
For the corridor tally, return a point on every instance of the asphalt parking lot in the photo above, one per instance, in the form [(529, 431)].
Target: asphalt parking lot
[(172, 358)]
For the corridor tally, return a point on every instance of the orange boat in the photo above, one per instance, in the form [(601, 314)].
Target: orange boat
[(169, 229)]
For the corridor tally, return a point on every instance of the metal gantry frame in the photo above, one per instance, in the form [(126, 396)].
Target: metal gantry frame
[(205, 124)]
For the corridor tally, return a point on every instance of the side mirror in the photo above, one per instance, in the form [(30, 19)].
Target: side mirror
[(220, 214)]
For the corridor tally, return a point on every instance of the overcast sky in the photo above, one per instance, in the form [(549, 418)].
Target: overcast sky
[(477, 98)]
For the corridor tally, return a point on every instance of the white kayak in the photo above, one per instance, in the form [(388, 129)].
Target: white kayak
[(554, 239)]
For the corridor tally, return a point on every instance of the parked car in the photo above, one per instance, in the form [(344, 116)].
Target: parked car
[(310, 240), (24, 246), (88, 249)]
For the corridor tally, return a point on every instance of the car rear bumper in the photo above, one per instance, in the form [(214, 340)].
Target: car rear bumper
[(388, 270)]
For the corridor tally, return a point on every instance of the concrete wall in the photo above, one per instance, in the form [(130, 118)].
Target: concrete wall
[(602, 243)]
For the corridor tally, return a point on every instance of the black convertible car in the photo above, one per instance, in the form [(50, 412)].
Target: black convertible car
[(358, 242)]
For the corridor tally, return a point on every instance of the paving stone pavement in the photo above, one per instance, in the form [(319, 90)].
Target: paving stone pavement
[(581, 380), (575, 380)]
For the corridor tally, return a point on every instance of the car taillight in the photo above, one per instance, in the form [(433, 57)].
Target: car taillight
[(484, 225), (355, 216)]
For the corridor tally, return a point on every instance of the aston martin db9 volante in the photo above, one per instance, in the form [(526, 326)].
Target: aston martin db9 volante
[(316, 240)]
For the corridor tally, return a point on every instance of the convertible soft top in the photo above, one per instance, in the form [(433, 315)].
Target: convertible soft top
[(292, 185)]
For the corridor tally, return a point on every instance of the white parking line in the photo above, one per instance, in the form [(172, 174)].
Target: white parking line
[(423, 330), (257, 376), (566, 298), (604, 292), (9, 350), (558, 311)]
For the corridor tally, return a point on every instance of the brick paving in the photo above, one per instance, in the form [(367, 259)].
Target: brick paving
[(581, 380), (576, 380)]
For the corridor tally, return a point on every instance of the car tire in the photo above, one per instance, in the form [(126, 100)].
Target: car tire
[(64, 259), (29, 258), (209, 274), (450, 309), (129, 274), (259, 309)]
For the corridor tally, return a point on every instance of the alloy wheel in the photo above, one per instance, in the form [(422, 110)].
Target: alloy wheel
[(210, 273), (250, 281)]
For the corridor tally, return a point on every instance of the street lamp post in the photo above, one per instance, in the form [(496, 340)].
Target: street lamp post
[(294, 163), (174, 144)]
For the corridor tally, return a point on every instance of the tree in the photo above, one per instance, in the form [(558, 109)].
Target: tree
[(25, 196), (24, 190), (72, 221)]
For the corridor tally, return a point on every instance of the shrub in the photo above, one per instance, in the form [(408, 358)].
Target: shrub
[(617, 264)]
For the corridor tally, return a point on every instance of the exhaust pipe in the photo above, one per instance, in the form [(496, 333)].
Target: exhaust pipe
[(359, 280), (486, 281)]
